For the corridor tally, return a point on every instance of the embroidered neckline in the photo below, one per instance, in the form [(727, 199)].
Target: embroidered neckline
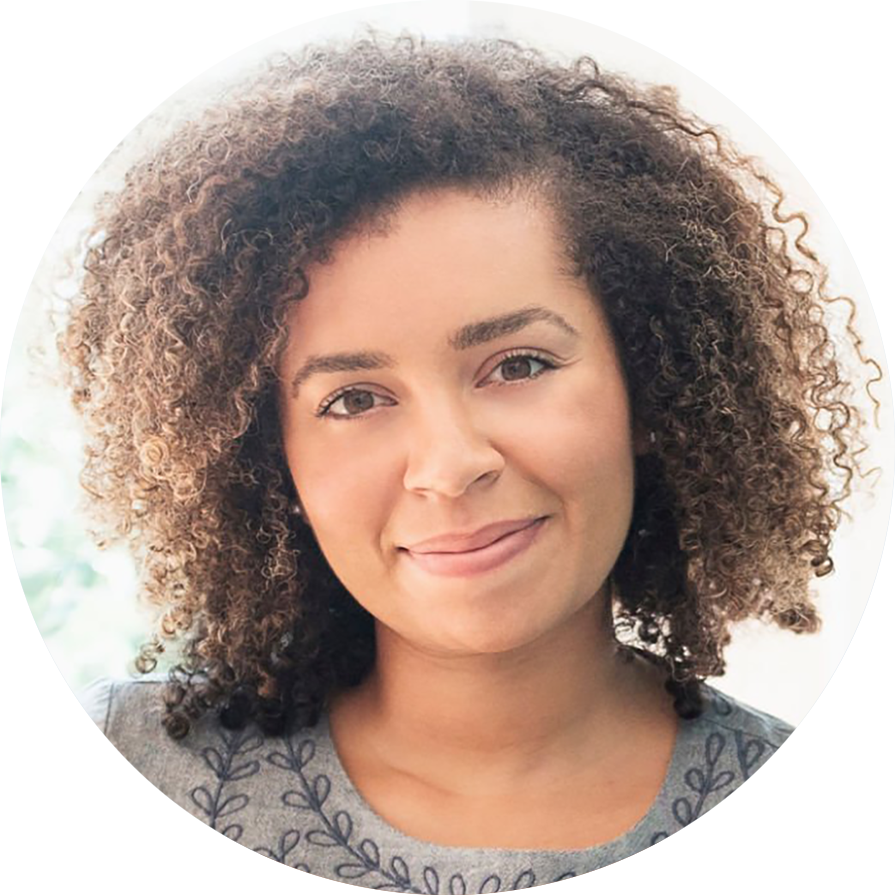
[(343, 783)]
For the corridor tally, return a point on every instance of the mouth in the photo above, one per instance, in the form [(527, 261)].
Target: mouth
[(495, 548), (460, 542)]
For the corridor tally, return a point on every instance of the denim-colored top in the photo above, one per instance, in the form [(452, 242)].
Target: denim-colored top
[(289, 798)]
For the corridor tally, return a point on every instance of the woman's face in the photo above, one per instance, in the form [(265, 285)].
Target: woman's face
[(447, 382)]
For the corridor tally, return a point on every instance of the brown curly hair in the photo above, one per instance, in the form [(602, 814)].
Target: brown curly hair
[(720, 317)]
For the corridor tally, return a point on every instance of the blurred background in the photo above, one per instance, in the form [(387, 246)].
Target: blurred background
[(813, 76)]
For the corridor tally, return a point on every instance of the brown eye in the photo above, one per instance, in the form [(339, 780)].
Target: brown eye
[(357, 402), (353, 403), (517, 368), (520, 368)]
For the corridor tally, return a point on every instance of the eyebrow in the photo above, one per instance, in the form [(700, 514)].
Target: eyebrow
[(468, 336), (506, 324)]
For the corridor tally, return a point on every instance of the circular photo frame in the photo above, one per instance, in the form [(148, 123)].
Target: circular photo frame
[(451, 397)]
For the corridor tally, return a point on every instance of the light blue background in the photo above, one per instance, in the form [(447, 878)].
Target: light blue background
[(816, 76)]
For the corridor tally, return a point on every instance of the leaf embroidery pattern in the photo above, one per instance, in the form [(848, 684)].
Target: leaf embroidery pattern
[(749, 753), (721, 704), (287, 844), (336, 830), (702, 782), (229, 764)]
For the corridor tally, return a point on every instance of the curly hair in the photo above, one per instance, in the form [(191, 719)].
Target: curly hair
[(719, 314)]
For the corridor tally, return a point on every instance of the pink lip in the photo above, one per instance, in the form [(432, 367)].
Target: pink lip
[(460, 543), (497, 544)]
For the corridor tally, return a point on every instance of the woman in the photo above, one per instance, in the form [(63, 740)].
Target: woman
[(455, 404)]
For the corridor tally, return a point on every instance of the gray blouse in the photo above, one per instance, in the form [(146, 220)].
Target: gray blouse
[(289, 797), (706, 858)]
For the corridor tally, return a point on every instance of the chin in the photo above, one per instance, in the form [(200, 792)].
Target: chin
[(489, 638)]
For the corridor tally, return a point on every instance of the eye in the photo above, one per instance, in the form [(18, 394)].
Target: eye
[(520, 367), (351, 403)]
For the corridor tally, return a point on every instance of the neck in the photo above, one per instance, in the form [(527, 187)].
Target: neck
[(449, 718), (622, 878)]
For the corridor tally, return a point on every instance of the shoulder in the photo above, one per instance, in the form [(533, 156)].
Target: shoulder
[(241, 782), (715, 754), (96, 699), (117, 704), (726, 713), (710, 856), (742, 737), (130, 712)]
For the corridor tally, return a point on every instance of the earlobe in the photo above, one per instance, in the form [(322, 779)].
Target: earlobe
[(296, 509)]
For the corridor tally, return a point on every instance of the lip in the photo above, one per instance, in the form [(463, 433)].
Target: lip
[(498, 544), (462, 542)]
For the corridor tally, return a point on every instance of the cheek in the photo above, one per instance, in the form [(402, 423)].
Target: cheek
[(580, 439), (347, 493), (595, 474)]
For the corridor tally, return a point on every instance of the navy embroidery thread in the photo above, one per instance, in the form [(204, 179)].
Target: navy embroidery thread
[(221, 762), (703, 782), (750, 752), (336, 831), (288, 841)]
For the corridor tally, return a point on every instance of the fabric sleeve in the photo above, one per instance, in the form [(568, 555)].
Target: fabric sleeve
[(96, 700)]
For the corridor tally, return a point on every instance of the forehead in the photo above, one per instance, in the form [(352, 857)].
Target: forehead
[(437, 262)]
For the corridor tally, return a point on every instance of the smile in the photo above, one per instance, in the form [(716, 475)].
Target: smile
[(479, 560)]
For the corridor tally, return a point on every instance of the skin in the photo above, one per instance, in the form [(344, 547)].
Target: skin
[(486, 678)]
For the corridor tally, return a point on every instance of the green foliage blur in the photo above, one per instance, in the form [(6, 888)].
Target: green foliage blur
[(84, 600)]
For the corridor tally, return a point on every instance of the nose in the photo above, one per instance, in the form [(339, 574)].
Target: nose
[(448, 454)]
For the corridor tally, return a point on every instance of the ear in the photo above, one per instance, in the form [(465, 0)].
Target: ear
[(297, 509), (304, 513)]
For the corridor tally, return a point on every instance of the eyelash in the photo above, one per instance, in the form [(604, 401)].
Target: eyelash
[(525, 354)]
